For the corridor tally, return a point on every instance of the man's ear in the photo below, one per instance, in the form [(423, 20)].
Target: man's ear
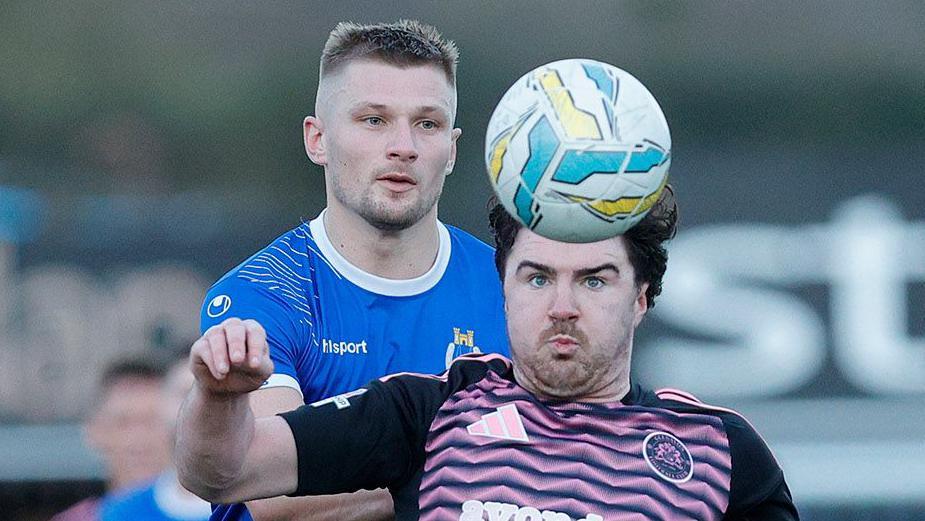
[(452, 161), (312, 132), (642, 304)]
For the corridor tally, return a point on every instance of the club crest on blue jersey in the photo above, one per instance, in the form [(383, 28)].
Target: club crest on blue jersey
[(668, 457), (462, 344)]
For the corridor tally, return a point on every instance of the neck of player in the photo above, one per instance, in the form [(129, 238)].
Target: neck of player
[(609, 387), (392, 254)]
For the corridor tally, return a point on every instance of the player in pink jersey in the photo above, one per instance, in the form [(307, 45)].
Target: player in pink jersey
[(559, 434)]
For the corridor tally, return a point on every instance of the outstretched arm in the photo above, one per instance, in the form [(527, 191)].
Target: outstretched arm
[(363, 505), (223, 453)]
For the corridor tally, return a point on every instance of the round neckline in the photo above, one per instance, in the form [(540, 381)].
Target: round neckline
[(375, 283)]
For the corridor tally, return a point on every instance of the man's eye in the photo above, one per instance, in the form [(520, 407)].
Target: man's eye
[(594, 283), (374, 120), (538, 281), (429, 125)]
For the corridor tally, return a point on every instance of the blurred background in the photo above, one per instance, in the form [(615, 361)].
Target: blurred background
[(148, 147)]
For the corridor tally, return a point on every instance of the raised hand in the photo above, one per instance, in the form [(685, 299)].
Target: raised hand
[(231, 358)]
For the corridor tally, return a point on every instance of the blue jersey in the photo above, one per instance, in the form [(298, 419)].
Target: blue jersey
[(332, 327), (160, 500)]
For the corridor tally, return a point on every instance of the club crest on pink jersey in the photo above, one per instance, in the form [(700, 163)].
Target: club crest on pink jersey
[(668, 457)]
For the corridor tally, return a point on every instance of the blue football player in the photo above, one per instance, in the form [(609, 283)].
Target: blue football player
[(375, 284)]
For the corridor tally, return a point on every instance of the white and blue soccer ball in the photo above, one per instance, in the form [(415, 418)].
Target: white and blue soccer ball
[(578, 150)]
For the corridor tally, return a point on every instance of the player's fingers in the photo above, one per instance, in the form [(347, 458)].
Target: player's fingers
[(266, 367), (236, 339), (257, 348), (201, 357), (219, 350)]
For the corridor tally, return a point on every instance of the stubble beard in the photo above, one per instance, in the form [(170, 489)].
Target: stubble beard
[(385, 214), (565, 378)]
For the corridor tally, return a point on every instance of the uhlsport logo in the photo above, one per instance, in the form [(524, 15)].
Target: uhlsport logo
[(668, 457), (333, 347), (474, 510), (462, 344), (218, 306)]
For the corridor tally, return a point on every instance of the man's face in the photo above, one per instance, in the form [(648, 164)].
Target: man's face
[(387, 140), (130, 431), (571, 312)]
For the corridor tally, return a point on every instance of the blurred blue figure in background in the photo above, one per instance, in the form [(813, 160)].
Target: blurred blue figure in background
[(128, 430), (162, 499)]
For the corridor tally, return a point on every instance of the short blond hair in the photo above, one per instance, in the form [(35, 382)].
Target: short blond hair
[(403, 43)]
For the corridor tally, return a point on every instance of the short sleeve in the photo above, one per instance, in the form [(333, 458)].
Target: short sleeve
[(758, 491), (286, 324), (374, 437), (366, 439)]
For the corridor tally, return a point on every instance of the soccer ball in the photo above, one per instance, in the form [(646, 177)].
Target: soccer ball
[(578, 150)]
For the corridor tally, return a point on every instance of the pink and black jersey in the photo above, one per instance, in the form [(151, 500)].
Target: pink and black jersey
[(473, 445)]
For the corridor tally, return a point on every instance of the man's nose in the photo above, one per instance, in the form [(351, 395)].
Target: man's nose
[(564, 305), (402, 146)]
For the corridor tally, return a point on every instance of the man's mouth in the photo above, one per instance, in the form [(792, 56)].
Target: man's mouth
[(397, 181), (564, 345)]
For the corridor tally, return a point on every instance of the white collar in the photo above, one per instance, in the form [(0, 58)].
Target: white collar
[(375, 283)]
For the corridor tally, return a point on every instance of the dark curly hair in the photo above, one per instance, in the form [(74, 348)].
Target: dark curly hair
[(645, 242)]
